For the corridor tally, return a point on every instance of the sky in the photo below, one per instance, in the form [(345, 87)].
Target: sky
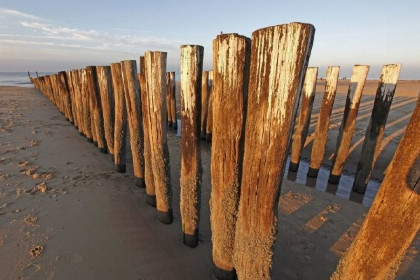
[(51, 36)]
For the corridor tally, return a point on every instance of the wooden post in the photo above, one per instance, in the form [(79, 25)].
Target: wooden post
[(133, 103), (231, 58), (148, 172), (72, 93), (348, 124), (323, 123), (209, 120), (77, 82), (107, 104), (120, 121), (376, 128), (394, 217), (299, 137), (170, 100), (279, 57), (96, 109), (191, 169), (155, 70), (86, 107), (204, 102)]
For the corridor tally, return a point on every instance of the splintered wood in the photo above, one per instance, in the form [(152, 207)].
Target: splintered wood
[(279, 57), (170, 100)]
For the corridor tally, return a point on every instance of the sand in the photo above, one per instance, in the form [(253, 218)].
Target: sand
[(66, 214)]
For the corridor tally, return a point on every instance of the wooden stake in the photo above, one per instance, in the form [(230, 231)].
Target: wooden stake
[(120, 121), (231, 58), (394, 217), (279, 57), (73, 97), (146, 115), (376, 128), (86, 107), (209, 120), (155, 70), (323, 123), (132, 101), (299, 137), (348, 124), (191, 169), (204, 102), (107, 104), (77, 82), (170, 100)]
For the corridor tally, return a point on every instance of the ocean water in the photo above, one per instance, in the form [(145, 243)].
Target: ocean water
[(19, 79)]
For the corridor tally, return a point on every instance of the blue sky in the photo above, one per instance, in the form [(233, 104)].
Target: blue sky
[(48, 35)]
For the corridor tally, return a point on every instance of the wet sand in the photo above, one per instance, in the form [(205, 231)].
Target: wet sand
[(66, 214)]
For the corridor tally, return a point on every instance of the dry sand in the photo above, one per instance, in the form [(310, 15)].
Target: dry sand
[(65, 213)]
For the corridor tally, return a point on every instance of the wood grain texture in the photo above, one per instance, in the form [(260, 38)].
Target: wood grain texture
[(209, 120), (204, 102)]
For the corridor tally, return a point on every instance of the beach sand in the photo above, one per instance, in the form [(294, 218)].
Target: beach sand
[(66, 214)]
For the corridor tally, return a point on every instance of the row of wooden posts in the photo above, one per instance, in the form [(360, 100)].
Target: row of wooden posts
[(256, 86)]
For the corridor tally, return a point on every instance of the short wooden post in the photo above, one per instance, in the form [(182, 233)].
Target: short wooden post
[(148, 171), (348, 124), (86, 107), (209, 120), (107, 104), (231, 58), (170, 100), (155, 70), (120, 121), (307, 101), (191, 169), (279, 57), (204, 102), (96, 108), (376, 128), (393, 220), (133, 103), (323, 123)]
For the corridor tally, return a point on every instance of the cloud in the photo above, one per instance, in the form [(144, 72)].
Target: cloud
[(9, 12)]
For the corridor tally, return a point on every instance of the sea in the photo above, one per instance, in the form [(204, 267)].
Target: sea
[(18, 79)]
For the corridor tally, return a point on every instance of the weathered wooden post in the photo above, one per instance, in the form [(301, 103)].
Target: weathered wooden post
[(77, 81), (231, 58), (191, 169), (155, 70), (323, 123), (148, 171), (348, 124), (120, 121), (299, 136), (376, 128), (86, 106), (170, 100), (204, 102), (279, 57), (209, 120), (65, 95), (394, 217), (107, 104), (96, 108), (73, 97), (133, 103)]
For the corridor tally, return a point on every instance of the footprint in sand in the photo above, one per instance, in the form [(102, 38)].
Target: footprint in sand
[(36, 251), (34, 143), (31, 220)]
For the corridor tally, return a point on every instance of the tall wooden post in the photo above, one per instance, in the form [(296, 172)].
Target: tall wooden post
[(209, 120), (120, 121), (96, 108), (86, 107), (170, 100), (132, 101), (204, 102), (191, 169), (73, 98), (146, 116), (155, 70), (107, 104), (323, 123), (279, 57), (64, 87), (376, 128), (393, 220), (231, 58), (348, 124), (299, 137), (77, 81)]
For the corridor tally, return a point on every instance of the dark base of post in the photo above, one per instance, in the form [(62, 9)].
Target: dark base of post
[(103, 150), (72, 123), (90, 140), (140, 183), (81, 133), (221, 274), (151, 200), (169, 124), (203, 135), (174, 126), (112, 156), (95, 143), (208, 137), (293, 167), (120, 168), (359, 189), (334, 179), (312, 173), (191, 240), (166, 217)]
